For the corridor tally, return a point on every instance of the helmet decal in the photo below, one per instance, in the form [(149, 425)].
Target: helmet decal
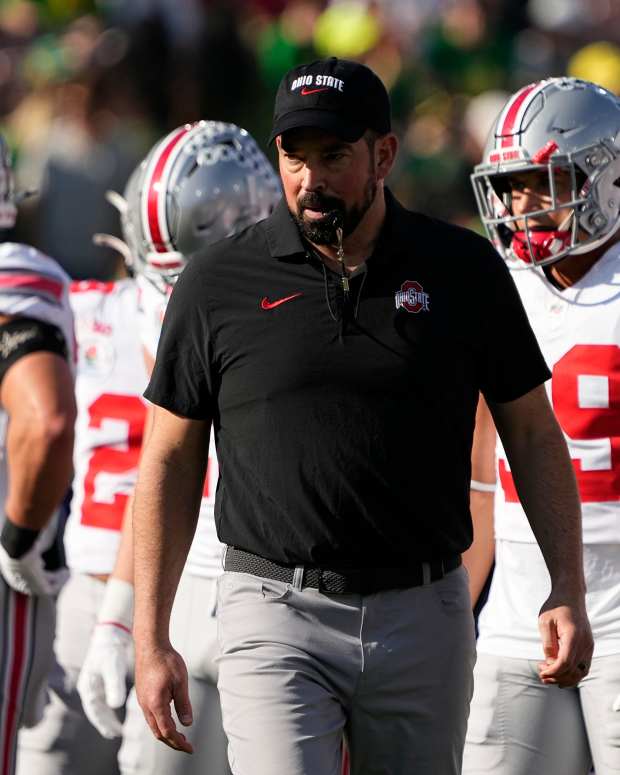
[(543, 154)]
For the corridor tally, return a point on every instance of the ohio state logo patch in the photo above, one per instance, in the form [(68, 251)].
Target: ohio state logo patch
[(412, 297)]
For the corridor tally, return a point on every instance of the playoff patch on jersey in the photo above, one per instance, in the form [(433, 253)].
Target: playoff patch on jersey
[(96, 356), (23, 336)]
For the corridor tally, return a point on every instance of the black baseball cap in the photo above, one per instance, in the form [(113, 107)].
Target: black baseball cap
[(342, 97)]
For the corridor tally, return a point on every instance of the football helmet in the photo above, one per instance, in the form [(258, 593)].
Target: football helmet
[(568, 132), (199, 184), (8, 211)]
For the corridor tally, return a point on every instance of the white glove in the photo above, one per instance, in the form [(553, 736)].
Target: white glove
[(27, 574), (102, 683), (616, 704)]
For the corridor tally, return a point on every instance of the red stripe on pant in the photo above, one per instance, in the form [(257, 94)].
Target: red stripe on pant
[(345, 759), (15, 673)]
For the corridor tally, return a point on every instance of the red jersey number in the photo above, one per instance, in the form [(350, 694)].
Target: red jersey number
[(111, 461), (586, 422)]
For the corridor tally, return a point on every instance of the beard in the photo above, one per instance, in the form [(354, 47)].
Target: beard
[(322, 231)]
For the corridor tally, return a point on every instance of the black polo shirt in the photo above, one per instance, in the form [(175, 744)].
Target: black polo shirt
[(343, 429)]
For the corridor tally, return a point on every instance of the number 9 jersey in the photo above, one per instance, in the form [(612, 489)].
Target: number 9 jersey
[(111, 377), (578, 330)]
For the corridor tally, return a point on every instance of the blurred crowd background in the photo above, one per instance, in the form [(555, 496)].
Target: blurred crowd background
[(86, 86)]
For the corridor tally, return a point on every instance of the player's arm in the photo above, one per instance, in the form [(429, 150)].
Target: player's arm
[(108, 665), (37, 394), (478, 559), (547, 488), (166, 506)]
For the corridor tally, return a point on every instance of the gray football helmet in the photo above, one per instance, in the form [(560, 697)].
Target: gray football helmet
[(559, 126), (8, 210), (199, 184)]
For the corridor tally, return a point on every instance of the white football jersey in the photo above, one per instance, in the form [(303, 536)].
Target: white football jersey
[(33, 285), (111, 377), (206, 552), (151, 310), (578, 330)]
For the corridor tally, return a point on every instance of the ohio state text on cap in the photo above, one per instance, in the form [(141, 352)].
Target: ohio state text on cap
[(342, 97)]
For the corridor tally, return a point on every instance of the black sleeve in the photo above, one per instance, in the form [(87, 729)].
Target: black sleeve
[(22, 336), (183, 375), (509, 360)]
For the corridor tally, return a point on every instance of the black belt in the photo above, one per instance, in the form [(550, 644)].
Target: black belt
[(363, 581)]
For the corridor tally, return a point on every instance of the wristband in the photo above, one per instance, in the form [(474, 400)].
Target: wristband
[(482, 486), (117, 604), (16, 540)]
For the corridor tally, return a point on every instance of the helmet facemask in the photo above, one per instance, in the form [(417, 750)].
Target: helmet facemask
[(538, 236)]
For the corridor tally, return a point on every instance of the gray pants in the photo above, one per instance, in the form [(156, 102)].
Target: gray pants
[(518, 726), (26, 653), (193, 634), (299, 668), (64, 742)]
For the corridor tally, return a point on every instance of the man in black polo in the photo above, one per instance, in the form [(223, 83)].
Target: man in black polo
[(338, 348)]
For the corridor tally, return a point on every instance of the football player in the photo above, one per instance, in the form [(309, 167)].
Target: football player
[(37, 415), (111, 412), (199, 184), (548, 190)]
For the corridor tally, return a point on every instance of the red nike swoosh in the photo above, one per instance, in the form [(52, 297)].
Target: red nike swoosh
[(305, 91), (266, 304)]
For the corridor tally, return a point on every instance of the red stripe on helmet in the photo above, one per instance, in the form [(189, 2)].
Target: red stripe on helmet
[(154, 189), (506, 131)]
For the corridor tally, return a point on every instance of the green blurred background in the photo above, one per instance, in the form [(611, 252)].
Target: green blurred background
[(86, 86)]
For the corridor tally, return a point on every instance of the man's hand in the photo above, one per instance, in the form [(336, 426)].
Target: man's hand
[(27, 573), (567, 642), (161, 679), (102, 683)]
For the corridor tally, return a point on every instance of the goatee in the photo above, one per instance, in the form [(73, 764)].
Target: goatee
[(322, 231)]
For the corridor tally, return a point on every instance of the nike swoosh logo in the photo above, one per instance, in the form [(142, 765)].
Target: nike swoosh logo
[(266, 304), (305, 91)]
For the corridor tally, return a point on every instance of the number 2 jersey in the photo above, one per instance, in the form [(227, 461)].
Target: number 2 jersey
[(578, 330), (32, 285), (111, 376), (206, 552)]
